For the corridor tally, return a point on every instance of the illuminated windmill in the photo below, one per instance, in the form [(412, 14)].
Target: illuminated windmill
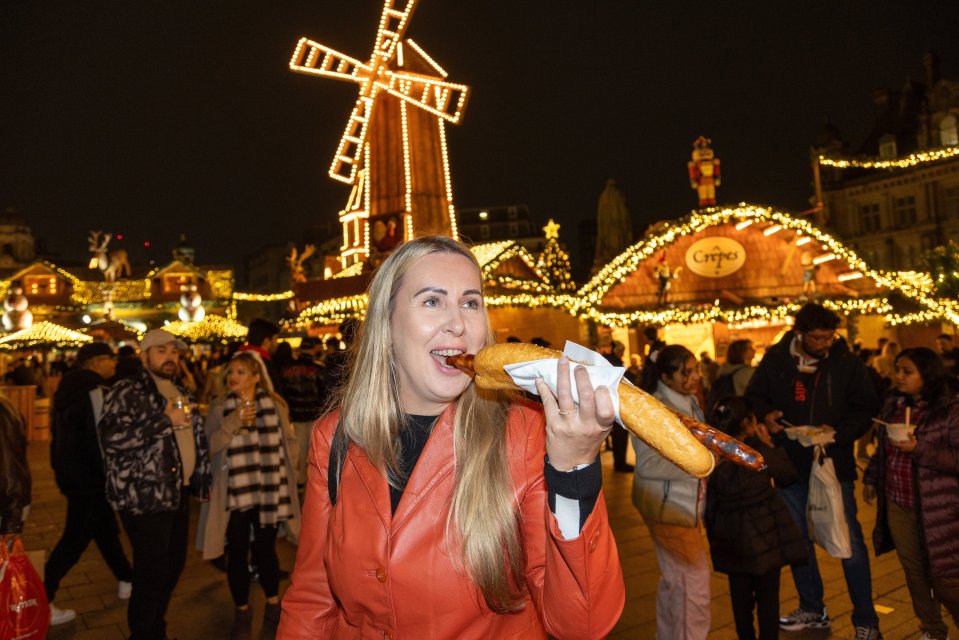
[(393, 150)]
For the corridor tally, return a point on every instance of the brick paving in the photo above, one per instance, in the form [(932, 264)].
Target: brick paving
[(201, 607)]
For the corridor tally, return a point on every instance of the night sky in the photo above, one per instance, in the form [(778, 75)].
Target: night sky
[(152, 118)]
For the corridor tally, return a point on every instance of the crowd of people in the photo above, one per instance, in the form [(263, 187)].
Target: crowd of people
[(756, 523), (423, 506), (128, 440)]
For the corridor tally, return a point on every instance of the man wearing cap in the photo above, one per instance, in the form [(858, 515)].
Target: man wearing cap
[(156, 456), (78, 469)]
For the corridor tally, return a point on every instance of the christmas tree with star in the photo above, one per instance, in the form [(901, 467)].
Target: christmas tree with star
[(554, 261)]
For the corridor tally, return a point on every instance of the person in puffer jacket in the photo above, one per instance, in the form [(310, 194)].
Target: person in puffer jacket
[(917, 482), (751, 534), (155, 457)]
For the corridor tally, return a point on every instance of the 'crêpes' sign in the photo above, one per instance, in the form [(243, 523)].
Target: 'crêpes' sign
[(715, 257)]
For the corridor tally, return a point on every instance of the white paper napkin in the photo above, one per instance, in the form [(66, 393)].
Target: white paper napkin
[(601, 373)]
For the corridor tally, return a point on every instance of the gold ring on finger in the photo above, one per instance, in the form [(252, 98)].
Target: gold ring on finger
[(568, 412)]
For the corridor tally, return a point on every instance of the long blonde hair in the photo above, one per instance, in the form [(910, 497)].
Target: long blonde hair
[(483, 515)]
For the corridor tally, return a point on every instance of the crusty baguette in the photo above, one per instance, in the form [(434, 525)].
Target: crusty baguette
[(642, 414)]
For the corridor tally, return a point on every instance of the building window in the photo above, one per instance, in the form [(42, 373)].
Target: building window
[(869, 217), (904, 211), (174, 283), (512, 213), (513, 230), (950, 202), (484, 231), (948, 134), (41, 285)]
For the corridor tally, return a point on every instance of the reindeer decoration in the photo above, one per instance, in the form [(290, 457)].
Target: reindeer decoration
[(297, 272), (114, 264)]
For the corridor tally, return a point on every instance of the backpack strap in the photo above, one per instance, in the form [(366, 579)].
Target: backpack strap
[(338, 446)]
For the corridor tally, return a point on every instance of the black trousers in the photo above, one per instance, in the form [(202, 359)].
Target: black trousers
[(89, 518), (159, 542), (749, 591), (238, 552), (620, 439)]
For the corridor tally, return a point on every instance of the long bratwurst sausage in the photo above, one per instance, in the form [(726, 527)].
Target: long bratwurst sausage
[(681, 440)]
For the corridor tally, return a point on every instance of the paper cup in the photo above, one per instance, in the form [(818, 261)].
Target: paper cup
[(899, 431)]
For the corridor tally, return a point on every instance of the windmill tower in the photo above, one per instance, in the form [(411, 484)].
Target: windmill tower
[(393, 151)]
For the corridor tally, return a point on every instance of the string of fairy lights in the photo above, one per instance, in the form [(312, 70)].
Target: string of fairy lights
[(542, 291), (211, 329), (905, 162), (43, 334), (588, 302)]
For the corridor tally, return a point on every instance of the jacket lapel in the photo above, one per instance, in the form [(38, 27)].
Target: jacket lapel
[(377, 487), (433, 468)]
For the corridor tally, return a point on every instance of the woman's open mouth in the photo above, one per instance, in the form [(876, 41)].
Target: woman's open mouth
[(440, 355)]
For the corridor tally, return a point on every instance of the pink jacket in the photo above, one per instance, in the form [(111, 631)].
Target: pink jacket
[(362, 573)]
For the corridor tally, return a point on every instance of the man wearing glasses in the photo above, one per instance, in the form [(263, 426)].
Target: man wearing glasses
[(811, 378), (78, 469)]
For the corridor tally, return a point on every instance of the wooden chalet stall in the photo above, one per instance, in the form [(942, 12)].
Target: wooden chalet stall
[(520, 298), (722, 274), (147, 298)]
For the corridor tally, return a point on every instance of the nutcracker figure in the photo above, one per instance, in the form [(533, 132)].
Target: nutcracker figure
[(704, 171), (664, 277)]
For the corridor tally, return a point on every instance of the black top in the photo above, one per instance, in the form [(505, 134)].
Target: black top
[(582, 485), (412, 441)]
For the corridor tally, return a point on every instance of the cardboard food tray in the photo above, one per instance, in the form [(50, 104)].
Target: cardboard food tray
[(811, 436)]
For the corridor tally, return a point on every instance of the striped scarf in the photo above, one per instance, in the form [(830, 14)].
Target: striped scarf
[(257, 471)]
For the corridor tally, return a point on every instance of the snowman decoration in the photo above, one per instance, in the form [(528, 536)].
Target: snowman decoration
[(16, 314), (191, 307)]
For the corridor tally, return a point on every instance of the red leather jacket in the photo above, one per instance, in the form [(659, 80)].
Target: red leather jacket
[(362, 573)]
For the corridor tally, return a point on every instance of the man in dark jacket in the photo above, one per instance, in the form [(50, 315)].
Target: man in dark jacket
[(156, 456), (811, 378), (78, 468), (305, 391)]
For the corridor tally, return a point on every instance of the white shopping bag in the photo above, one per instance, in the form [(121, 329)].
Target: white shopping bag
[(825, 515)]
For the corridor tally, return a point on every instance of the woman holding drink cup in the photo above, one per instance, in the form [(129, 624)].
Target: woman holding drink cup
[(915, 474), (251, 444)]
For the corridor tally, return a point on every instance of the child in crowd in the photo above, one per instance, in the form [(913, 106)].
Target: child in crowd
[(751, 534)]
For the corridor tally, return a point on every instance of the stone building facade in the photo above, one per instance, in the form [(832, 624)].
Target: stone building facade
[(891, 216)]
